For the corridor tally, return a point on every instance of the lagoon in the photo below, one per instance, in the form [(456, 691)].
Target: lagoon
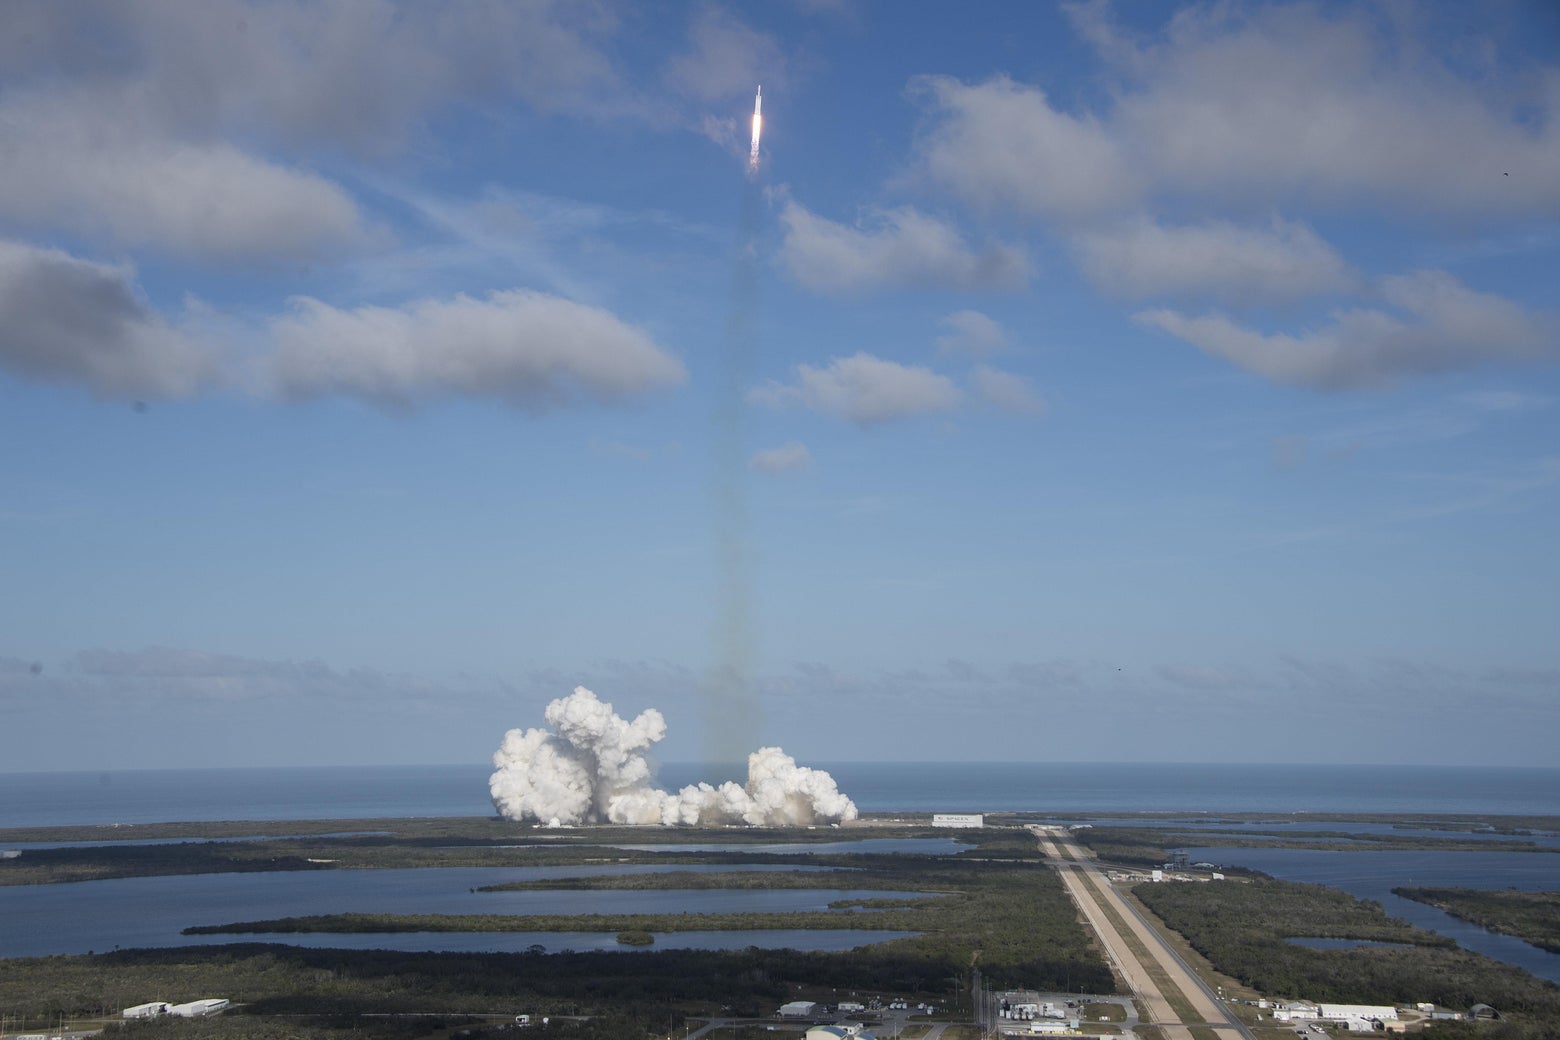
[(77, 917)]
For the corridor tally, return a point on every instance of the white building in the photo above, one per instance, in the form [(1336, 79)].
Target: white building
[(1362, 1012), (151, 1010), (798, 1009), (843, 1031), (1296, 1011), (954, 819), (199, 1008)]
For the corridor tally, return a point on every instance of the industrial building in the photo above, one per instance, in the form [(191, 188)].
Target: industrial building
[(798, 1009), (958, 820), (199, 1008), (150, 1010)]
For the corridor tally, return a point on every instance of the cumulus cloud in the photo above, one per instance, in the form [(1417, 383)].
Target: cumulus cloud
[(92, 175), (360, 75), (529, 349), (1316, 103), (1007, 390), (789, 456), (1218, 260), (1276, 103), (68, 320), (864, 389), (1431, 322), (1001, 145), (899, 248), (138, 143), (971, 333)]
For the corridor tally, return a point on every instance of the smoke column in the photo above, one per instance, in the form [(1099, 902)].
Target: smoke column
[(591, 768), (731, 710)]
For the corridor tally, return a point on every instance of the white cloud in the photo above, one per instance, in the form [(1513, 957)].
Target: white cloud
[(792, 455), (187, 133), (1434, 323), (971, 333), (529, 349), (64, 165), (359, 76), (1006, 390), (901, 248), (865, 390), (1218, 260), (1000, 145), (725, 58), (1258, 103), (73, 321), (1298, 100)]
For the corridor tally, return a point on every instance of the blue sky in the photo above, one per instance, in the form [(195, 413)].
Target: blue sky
[(1080, 381)]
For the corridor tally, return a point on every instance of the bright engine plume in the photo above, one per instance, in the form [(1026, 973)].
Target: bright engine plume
[(758, 128), (591, 768)]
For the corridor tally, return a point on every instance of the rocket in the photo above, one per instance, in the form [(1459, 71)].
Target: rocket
[(758, 127)]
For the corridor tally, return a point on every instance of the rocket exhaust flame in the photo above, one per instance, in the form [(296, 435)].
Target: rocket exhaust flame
[(758, 128), (591, 768)]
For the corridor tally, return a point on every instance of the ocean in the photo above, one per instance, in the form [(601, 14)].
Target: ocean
[(367, 792)]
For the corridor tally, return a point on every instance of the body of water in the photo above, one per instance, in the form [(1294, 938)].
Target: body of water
[(1373, 875), (150, 796), (37, 920)]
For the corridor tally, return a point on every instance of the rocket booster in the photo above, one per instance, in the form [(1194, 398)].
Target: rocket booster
[(758, 127)]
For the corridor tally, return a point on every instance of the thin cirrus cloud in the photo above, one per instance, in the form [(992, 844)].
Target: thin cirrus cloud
[(793, 455), (1006, 390), (898, 248), (725, 57), (1429, 322)]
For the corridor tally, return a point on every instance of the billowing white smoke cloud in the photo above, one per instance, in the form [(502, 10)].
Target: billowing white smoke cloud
[(591, 768)]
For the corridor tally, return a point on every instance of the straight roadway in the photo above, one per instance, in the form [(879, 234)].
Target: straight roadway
[(1160, 979)]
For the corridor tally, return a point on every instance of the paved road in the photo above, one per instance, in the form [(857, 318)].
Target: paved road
[(1093, 894)]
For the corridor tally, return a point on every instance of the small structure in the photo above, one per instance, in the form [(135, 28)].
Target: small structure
[(798, 1009), (200, 1008), (149, 1010), (1295, 1011), (843, 1031), (951, 819)]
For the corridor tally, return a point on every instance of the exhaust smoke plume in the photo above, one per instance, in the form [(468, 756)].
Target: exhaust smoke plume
[(591, 768)]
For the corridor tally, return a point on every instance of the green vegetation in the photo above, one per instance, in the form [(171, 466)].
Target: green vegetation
[(1150, 846), (1014, 917), (635, 937), (990, 908), (1242, 927), (385, 844), (1533, 917)]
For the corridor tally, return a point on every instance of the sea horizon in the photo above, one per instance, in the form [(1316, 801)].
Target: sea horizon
[(268, 793)]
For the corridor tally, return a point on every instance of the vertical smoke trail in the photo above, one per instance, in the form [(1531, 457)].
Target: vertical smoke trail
[(731, 709)]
